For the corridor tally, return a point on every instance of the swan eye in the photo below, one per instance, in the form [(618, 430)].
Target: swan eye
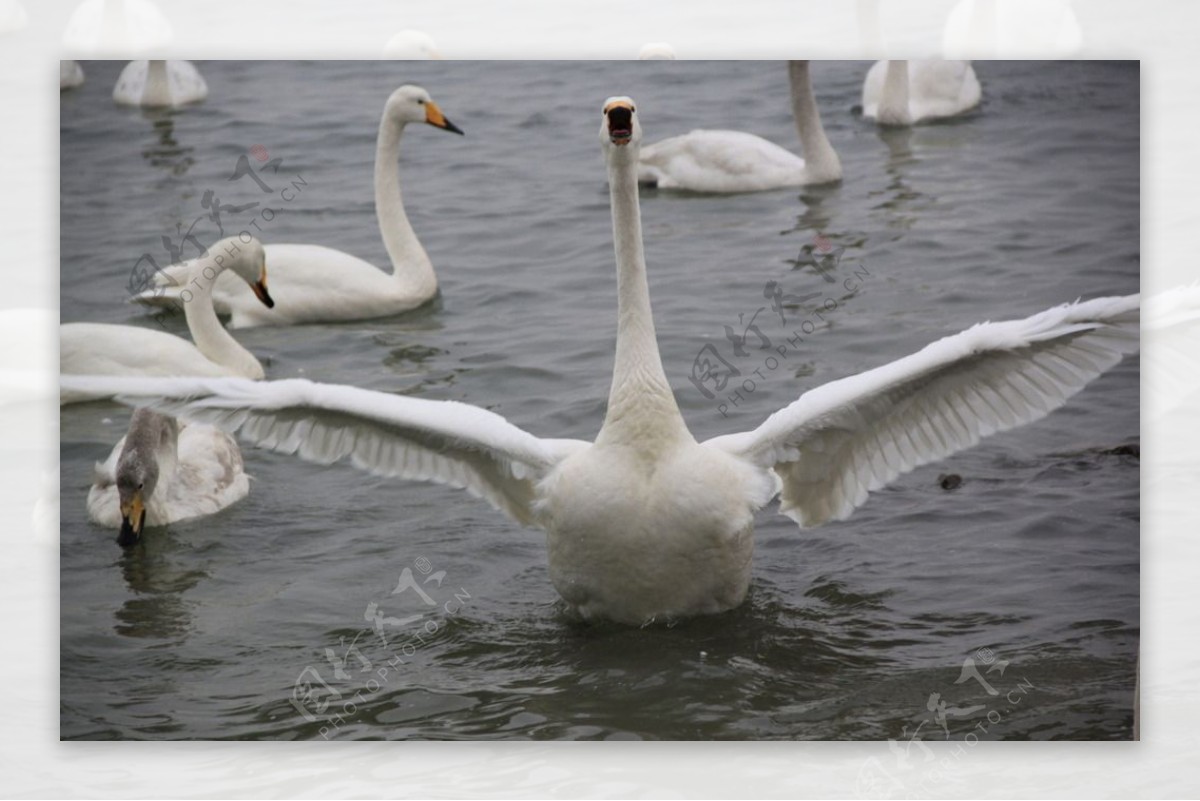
[(420, 102)]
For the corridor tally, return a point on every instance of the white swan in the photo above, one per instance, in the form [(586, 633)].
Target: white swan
[(733, 161), (159, 84), (646, 523), (318, 284), (910, 92), (162, 472), (70, 74), (411, 45), (105, 349), (656, 51)]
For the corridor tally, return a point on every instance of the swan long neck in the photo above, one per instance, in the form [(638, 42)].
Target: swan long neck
[(210, 337), (410, 264), (642, 411), (893, 104), (158, 85), (820, 159)]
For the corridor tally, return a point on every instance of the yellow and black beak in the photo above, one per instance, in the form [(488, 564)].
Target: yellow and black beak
[(133, 517), (260, 289), (434, 116), (620, 121)]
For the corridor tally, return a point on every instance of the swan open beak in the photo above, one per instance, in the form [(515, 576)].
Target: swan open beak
[(133, 516), (620, 122), (260, 289), (434, 116)]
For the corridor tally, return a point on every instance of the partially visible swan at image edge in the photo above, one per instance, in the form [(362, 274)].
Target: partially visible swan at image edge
[(718, 161), (162, 472), (70, 74), (313, 283), (411, 45), (656, 51), (911, 92), (646, 523), (159, 84), (106, 349)]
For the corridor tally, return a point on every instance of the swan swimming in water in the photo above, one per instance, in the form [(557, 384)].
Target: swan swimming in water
[(70, 74), (159, 84), (645, 523), (162, 472), (911, 92), (316, 284), (733, 161), (105, 349)]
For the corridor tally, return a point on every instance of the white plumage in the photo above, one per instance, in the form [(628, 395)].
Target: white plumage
[(732, 161), (313, 283), (911, 92), (646, 523), (198, 471), (105, 349), (159, 84)]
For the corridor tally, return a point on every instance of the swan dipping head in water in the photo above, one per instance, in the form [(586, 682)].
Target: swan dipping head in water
[(151, 440)]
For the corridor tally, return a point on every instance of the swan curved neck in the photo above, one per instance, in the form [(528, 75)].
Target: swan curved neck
[(820, 159), (211, 338), (893, 104), (410, 264), (158, 86), (642, 411)]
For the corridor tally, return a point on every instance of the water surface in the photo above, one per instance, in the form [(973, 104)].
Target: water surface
[(849, 630)]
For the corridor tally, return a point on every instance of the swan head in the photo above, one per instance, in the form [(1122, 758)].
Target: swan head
[(248, 261), (620, 127), (137, 478), (413, 104)]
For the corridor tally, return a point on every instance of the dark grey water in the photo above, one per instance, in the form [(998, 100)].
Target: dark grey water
[(849, 629)]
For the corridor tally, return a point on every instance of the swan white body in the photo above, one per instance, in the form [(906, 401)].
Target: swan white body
[(315, 284), (911, 92), (732, 161), (159, 84), (646, 523), (70, 74), (656, 51), (105, 349), (411, 45), (197, 470)]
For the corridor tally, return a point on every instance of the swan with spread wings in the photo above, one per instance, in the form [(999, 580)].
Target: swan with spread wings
[(645, 523)]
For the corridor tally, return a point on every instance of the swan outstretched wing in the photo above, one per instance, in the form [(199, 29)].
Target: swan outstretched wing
[(840, 441), (391, 435)]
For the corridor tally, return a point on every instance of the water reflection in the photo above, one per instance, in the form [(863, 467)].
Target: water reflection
[(899, 198), (157, 609), (166, 153)]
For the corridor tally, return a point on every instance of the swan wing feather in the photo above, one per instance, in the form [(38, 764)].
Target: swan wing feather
[(446, 442), (837, 443)]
